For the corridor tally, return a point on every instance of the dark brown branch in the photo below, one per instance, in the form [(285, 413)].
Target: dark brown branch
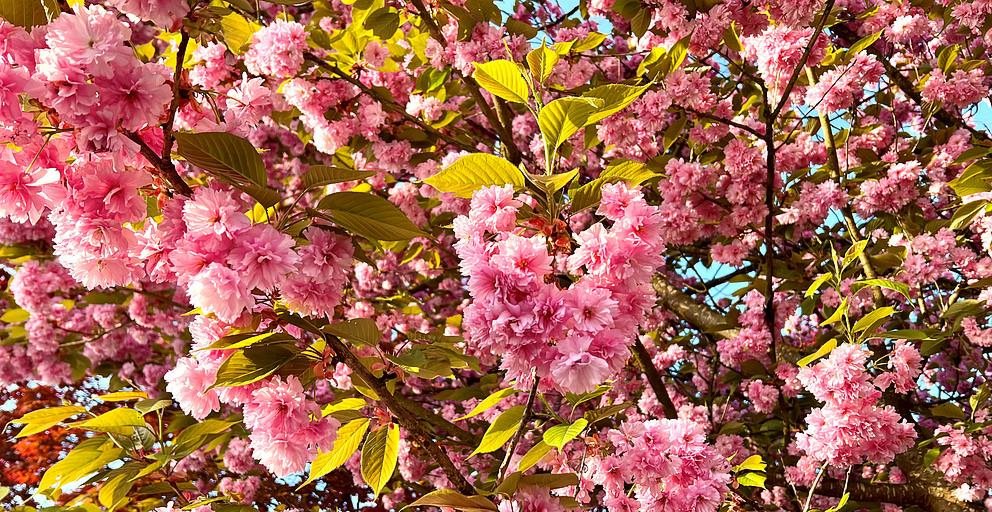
[(654, 378), (166, 168), (407, 418), (174, 106)]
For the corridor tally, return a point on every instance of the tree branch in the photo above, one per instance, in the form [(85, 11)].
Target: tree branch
[(691, 311), (654, 378), (166, 168), (405, 416)]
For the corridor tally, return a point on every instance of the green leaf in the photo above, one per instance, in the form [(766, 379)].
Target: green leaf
[(872, 319), (615, 97), (751, 480), (28, 13), (43, 419), (252, 365), (533, 456), (346, 443), (503, 79), (488, 403), (561, 118), (948, 410), (455, 500), (823, 351), (319, 175), (930, 457), (379, 456), (541, 61), (237, 31), (501, 430), (370, 216), (474, 171), (862, 44), (752, 463), (947, 56), (115, 421), (225, 155), (560, 435), (358, 330), (87, 457), (383, 22)]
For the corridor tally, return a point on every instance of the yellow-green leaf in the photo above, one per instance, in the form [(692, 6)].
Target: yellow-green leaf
[(252, 364), (871, 319), (541, 61), (116, 421), (123, 396), (561, 118), (533, 456), (751, 479), (501, 430), (43, 419), (824, 350), (379, 455), (474, 171), (488, 403), (237, 32), (628, 171), (559, 435), (752, 463), (837, 314), (14, 316), (614, 97), (503, 79), (87, 457), (115, 489), (345, 445)]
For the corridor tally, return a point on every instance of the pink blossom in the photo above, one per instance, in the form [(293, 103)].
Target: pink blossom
[(219, 290)]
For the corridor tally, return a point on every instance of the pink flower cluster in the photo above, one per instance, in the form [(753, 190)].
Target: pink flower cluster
[(778, 51), (672, 468), (286, 427), (841, 88), (851, 428), (277, 50), (890, 193), (575, 336), (93, 80), (960, 89)]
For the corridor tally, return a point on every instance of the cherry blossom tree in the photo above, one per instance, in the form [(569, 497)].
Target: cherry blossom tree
[(658, 255)]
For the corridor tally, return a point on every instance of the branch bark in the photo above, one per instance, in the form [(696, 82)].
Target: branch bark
[(654, 379)]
